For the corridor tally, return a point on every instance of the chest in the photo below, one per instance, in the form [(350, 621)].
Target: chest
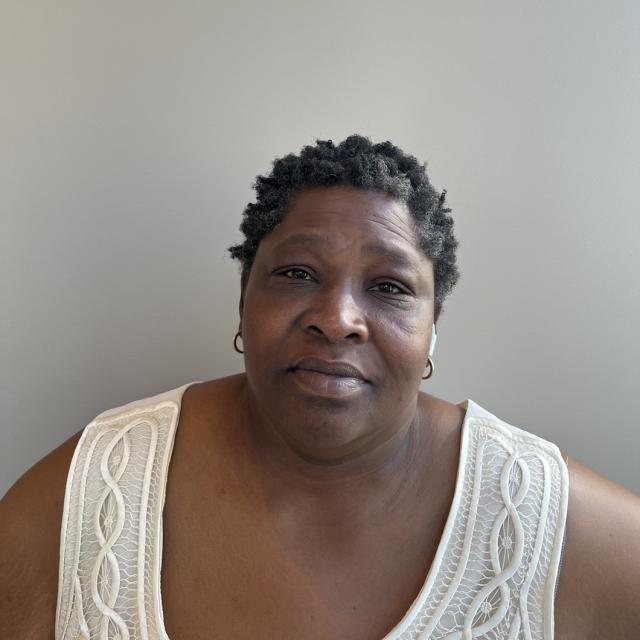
[(230, 570)]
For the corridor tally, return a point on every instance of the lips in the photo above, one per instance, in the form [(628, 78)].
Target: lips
[(338, 369)]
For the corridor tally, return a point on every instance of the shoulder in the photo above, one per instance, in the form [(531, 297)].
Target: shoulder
[(598, 584), (440, 414), (215, 397), (597, 595), (209, 408), (31, 516)]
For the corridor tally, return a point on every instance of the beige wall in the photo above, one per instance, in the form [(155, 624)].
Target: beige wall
[(130, 133)]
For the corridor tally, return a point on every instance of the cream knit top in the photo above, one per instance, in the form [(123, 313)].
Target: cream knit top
[(493, 576)]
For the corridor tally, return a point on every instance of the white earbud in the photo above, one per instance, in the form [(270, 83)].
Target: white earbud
[(434, 337)]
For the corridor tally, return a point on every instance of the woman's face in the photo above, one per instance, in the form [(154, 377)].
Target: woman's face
[(336, 319)]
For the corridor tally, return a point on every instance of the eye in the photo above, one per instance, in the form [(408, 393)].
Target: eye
[(295, 273), (389, 288)]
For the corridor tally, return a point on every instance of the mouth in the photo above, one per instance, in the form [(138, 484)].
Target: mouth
[(322, 377), (338, 369)]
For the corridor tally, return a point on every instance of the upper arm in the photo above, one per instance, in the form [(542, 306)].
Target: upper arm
[(599, 585), (30, 517)]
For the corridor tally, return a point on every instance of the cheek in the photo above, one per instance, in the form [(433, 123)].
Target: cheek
[(404, 346), (264, 324), (405, 358), (409, 329), (262, 338)]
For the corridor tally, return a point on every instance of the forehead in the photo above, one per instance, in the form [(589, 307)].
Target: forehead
[(343, 216)]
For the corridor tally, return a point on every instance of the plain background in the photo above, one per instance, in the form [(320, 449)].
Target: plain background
[(130, 134)]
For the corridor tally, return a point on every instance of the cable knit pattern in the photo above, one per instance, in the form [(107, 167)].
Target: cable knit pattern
[(493, 576), (495, 570), (111, 543)]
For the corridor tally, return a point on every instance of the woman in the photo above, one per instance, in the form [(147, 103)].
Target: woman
[(321, 494)]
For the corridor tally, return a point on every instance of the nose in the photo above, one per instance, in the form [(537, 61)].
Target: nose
[(336, 315)]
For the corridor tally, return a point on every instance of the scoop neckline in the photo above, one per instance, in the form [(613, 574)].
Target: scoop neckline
[(472, 409), (409, 617)]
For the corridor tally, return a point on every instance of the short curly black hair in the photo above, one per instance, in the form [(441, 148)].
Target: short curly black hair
[(358, 162)]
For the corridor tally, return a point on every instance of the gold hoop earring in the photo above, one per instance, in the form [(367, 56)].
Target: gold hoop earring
[(235, 342), (431, 368)]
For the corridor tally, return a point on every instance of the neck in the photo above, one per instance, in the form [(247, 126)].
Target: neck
[(372, 473)]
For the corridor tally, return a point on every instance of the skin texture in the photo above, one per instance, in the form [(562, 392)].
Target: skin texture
[(290, 511), (321, 287)]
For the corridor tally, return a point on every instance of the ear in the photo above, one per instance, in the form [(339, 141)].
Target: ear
[(434, 337), (243, 283), (437, 310)]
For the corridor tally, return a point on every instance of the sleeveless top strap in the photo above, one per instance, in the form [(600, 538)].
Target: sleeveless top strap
[(111, 537), (495, 572)]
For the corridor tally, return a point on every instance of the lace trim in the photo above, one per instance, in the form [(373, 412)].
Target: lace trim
[(115, 489), (495, 570)]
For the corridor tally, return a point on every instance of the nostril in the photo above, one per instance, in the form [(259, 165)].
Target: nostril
[(336, 334), (339, 320)]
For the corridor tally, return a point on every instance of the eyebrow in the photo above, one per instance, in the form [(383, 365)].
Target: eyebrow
[(390, 254), (382, 251)]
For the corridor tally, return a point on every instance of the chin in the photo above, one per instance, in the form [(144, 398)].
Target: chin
[(324, 427)]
